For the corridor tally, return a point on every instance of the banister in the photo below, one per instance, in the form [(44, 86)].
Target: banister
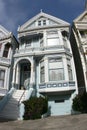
[(21, 97)]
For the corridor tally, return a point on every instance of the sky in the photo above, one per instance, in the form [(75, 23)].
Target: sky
[(16, 12)]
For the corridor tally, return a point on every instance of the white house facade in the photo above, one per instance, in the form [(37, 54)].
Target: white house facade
[(8, 45), (79, 46), (44, 61)]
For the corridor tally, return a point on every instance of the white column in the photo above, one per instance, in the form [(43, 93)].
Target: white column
[(32, 79), (18, 75), (13, 79)]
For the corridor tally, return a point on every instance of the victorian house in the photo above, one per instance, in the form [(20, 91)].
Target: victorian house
[(8, 45), (79, 45), (43, 62)]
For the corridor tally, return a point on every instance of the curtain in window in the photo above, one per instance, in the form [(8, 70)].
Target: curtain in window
[(56, 71)]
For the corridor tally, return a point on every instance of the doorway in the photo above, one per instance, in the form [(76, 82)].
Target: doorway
[(25, 74)]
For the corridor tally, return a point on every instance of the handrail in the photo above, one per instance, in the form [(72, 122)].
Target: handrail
[(21, 97)]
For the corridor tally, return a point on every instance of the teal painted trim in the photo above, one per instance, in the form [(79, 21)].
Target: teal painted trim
[(6, 98), (30, 91), (21, 110)]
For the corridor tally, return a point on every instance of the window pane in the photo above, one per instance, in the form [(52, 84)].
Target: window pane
[(44, 22), (2, 76), (56, 71), (70, 73), (42, 76), (6, 50), (56, 75), (1, 83), (39, 23)]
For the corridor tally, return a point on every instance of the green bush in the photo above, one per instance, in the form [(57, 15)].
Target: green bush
[(80, 103), (35, 107)]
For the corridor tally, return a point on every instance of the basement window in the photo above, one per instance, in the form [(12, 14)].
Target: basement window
[(59, 101)]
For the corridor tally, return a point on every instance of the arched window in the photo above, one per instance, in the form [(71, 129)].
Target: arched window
[(6, 50)]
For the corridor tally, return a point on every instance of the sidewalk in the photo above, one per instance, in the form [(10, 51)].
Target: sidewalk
[(75, 122)]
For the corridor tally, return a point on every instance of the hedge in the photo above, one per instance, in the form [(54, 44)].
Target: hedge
[(80, 103), (35, 107)]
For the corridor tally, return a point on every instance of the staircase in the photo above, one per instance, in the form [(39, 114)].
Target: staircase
[(11, 109)]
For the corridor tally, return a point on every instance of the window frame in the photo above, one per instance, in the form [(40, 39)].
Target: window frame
[(56, 69)]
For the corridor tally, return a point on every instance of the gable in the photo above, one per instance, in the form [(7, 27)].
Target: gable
[(3, 32), (82, 17), (42, 20)]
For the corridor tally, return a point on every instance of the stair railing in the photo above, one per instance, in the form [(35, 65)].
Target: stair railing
[(21, 97)]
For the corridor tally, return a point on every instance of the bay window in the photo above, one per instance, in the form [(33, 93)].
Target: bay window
[(56, 70)]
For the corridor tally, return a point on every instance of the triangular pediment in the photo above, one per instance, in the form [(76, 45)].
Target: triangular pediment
[(3, 32), (82, 17), (42, 20)]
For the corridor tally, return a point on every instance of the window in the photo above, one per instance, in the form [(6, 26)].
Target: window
[(52, 38), (42, 78), (42, 72), (59, 101), (28, 42), (6, 50), (2, 76), (70, 72), (39, 23), (44, 22), (56, 71), (69, 69)]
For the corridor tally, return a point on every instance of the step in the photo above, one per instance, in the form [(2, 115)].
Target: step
[(11, 109)]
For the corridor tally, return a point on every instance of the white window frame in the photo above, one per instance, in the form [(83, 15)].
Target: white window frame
[(57, 69)]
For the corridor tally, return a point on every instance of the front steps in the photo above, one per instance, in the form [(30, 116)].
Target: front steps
[(11, 109)]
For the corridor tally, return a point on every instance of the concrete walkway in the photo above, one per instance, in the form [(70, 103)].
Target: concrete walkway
[(75, 122)]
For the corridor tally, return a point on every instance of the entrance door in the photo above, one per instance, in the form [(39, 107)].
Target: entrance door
[(25, 74)]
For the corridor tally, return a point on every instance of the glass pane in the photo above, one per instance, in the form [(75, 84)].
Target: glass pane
[(56, 75), (42, 76), (1, 83), (2, 74), (70, 73)]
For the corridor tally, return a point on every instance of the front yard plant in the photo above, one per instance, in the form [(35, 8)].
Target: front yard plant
[(80, 103), (35, 107)]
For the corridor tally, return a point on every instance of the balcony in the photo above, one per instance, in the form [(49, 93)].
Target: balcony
[(41, 50), (57, 87), (5, 61)]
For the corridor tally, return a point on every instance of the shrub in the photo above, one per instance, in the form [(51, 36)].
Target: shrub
[(80, 103), (35, 107)]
